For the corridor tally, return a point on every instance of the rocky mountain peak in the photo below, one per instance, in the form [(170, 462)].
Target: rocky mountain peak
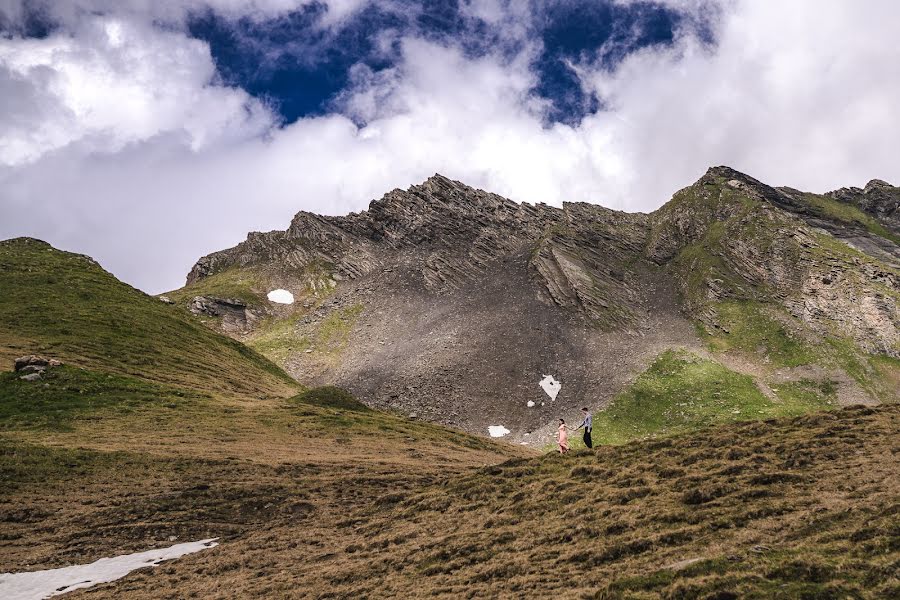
[(877, 184), (879, 199)]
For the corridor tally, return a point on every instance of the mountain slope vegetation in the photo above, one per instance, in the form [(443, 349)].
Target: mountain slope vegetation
[(793, 508), (66, 306)]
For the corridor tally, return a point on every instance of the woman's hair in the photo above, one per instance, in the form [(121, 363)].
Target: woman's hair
[(562, 421)]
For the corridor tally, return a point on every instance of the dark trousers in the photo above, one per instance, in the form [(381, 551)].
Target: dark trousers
[(587, 438)]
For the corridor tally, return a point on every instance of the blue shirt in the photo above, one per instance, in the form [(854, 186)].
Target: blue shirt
[(587, 423)]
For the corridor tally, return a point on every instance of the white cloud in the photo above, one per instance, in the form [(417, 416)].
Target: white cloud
[(71, 12), (112, 83), (166, 165)]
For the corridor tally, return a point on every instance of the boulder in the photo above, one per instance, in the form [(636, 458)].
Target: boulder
[(33, 362), (31, 377)]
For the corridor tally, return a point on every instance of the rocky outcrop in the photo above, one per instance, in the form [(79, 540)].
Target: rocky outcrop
[(879, 199), (447, 234), (32, 367), (234, 314), (731, 237)]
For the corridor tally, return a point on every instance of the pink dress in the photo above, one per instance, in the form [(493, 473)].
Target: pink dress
[(563, 439)]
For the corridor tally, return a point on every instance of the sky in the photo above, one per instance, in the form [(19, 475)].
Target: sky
[(147, 133)]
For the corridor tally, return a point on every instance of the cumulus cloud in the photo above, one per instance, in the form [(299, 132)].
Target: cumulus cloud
[(114, 82), (127, 147)]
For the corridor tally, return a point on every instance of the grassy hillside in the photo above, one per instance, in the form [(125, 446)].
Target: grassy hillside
[(796, 508), (126, 466), (682, 392), (66, 306)]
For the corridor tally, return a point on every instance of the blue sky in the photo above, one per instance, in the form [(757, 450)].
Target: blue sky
[(147, 134), (301, 68)]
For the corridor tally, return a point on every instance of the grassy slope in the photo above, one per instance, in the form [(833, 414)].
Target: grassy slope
[(681, 392), (64, 305), (829, 208), (797, 508), (242, 284)]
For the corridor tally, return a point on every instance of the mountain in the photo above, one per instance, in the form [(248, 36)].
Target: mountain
[(156, 429), (451, 304)]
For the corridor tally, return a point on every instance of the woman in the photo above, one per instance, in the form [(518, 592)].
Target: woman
[(562, 437)]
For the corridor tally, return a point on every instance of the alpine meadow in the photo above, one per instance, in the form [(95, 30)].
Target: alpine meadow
[(253, 345)]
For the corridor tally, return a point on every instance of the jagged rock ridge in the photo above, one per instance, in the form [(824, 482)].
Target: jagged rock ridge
[(443, 300)]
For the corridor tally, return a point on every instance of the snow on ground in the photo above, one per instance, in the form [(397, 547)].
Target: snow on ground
[(551, 386), (530, 403), (281, 296), (497, 430), (35, 585)]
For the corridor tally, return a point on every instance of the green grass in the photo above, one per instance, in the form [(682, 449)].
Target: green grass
[(66, 394), (829, 208), (335, 328), (746, 326), (331, 397), (23, 465), (66, 306), (681, 392), (877, 374), (231, 283), (277, 340), (331, 410), (803, 396)]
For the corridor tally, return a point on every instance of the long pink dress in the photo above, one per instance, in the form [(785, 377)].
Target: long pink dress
[(563, 439)]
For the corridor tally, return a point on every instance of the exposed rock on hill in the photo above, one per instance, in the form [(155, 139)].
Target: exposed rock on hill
[(879, 199), (453, 303), (234, 314)]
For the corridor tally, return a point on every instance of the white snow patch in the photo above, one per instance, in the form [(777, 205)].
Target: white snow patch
[(497, 430), (551, 386), (281, 296), (35, 585), (530, 403)]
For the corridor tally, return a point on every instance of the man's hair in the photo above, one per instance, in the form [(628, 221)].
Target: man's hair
[(585, 408)]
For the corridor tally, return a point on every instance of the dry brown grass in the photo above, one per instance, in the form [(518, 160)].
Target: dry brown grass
[(806, 507)]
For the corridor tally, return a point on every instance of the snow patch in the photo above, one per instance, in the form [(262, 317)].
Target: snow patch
[(497, 430), (34, 585), (281, 296), (551, 386), (530, 403)]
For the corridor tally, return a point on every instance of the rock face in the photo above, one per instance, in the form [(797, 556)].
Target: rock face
[(731, 237), (879, 199), (234, 314), (453, 303)]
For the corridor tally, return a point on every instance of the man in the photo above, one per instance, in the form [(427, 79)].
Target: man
[(587, 423)]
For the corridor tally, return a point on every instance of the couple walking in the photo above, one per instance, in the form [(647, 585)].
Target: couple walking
[(563, 432)]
